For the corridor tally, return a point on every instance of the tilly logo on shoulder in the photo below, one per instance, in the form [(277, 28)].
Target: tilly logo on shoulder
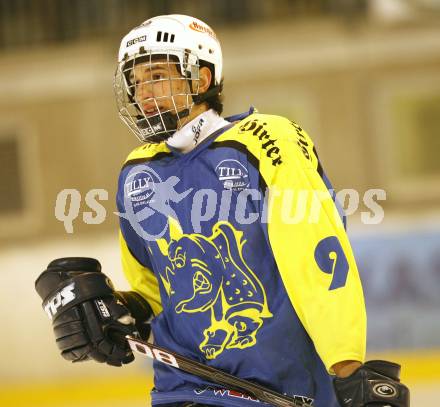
[(145, 195), (139, 187), (232, 174)]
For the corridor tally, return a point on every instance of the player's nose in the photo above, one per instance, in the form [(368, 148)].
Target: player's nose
[(144, 91)]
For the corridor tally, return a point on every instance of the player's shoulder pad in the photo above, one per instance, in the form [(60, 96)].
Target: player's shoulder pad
[(146, 152), (275, 137)]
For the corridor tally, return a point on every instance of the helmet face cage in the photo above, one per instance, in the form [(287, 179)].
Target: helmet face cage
[(154, 91)]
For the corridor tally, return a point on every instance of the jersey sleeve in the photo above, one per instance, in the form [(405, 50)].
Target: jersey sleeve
[(135, 260), (312, 250)]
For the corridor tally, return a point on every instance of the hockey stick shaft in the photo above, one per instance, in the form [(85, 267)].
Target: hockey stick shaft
[(212, 374)]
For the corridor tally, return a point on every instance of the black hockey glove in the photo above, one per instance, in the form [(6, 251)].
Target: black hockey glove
[(90, 319), (374, 384)]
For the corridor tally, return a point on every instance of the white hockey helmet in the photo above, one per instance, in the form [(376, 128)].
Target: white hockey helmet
[(176, 39)]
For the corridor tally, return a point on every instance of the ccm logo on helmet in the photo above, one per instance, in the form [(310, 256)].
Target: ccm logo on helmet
[(202, 29), (136, 40), (60, 299), (384, 390)]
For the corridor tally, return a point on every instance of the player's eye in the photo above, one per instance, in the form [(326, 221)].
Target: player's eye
[(157, 76)]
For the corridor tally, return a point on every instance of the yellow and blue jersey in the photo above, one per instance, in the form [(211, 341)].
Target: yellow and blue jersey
[(241, 252)]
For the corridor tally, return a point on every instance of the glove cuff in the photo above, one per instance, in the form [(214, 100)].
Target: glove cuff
[(374, 383), (139, 309)]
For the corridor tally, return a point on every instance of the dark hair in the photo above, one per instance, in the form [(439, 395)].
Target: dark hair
[(215, 101)]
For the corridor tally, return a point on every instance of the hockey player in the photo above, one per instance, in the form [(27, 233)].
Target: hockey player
[(216, 262)]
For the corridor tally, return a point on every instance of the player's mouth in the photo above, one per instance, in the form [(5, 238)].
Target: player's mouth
[(150, 110)]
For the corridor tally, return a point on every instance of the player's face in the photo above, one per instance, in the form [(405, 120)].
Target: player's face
[(160, 87)]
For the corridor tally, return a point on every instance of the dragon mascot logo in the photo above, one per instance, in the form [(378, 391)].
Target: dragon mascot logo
[(214, 273)]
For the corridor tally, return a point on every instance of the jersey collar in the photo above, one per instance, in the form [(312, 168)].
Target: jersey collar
[(197, 130)]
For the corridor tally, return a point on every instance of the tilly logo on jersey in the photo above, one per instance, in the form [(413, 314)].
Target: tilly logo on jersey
[(232, 174), (145, 195), (140, 186)]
